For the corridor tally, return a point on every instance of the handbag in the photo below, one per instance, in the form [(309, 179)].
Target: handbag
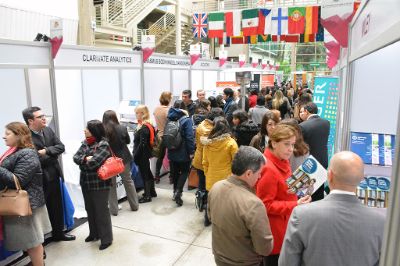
[(111, 167), (15, 202)]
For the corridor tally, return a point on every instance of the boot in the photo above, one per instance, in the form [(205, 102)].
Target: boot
[(178, 199), (207, 221), (146, 195), (153, 192), (174, 195)]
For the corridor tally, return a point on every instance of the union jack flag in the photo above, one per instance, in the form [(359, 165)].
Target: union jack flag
[(200, 25)]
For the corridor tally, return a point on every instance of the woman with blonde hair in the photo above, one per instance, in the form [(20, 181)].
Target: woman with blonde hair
[(281, 103), (272, 188), (21, 160), (143, 142), (160, 116)]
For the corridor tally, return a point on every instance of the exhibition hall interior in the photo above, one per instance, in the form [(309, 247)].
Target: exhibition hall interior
[(199, 132)]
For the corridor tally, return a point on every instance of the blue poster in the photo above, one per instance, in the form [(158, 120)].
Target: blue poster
[(326, 98), (361, 144)]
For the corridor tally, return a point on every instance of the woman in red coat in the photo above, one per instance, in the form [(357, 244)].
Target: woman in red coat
[(272, 188)]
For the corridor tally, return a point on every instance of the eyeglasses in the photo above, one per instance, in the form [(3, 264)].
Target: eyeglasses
[(40, 116)]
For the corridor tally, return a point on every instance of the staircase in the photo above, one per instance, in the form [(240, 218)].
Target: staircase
[(117, 19), (165, 32)]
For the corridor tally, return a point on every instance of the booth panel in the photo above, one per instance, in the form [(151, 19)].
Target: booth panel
[(100, 92), (210, 80), (180, 82), (131, 84), (14, 101), (155, 82), (71, 124), (375, 99), (227, 76), (39, 83), (197, 81)]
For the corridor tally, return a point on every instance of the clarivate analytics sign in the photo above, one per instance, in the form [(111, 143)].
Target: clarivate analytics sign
[(106, 58)]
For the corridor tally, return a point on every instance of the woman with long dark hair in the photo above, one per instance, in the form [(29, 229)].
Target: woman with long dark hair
[(268, 123), (118, 138), (90, 156)]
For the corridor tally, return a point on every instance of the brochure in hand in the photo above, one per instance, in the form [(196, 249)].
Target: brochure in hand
[(306, 179)]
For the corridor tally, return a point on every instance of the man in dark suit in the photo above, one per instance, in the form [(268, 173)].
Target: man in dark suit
[(49, 147), (230, 105), (337, 230), (315, 133)]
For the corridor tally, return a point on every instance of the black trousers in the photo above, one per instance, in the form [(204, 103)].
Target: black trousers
[(99, 219), (160, 159), (147, 176), (180, 172), (271, 260), (52, 194), (202, 180)]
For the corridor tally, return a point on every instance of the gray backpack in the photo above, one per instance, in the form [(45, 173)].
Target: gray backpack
[(172, 138)]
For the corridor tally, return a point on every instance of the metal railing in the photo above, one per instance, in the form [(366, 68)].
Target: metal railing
[(222, 5)]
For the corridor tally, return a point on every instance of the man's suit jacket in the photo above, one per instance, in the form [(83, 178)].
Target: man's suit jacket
[(315, 133), (337, 230), (49, 162)]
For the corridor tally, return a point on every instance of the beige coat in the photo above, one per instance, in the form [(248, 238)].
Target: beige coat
[(241, 232), (218, 155)]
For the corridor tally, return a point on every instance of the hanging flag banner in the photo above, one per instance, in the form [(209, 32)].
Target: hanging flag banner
[(325, 96), (232, 23), (56, 36), (264, 21), (148, 46), (296, 20), (250, 22), (216, 25), (223, 55), (194, 53), (199, 25), (242, 60), (336, 16), (254, 62), (279, 21), (264, 63)]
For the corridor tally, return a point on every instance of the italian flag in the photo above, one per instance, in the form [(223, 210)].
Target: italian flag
[(232, 23), (215, 25), (250, 22)]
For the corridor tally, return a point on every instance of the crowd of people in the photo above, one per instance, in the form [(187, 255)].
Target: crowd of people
[(242, 148)]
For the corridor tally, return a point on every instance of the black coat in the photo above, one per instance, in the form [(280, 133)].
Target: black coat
[(25, 165), (50, 166), (315, 133), (119, 144), (141, 144), (245, 132)]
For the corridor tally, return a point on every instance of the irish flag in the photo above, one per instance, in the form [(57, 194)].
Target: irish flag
[(296, 20), (250, 22), (232, 23), (215, 25)]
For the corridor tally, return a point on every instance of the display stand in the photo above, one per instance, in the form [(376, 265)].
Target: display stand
[(372, 102)]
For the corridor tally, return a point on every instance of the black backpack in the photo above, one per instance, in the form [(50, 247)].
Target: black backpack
[(172, 138)]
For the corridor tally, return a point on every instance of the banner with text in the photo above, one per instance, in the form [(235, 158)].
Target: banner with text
[(326, 98)]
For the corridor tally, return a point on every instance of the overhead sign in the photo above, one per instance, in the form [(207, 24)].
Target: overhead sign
[(167, 62)]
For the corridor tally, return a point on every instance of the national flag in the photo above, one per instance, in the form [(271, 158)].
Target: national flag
[(304, 38), (311, 20), (225, 40), (232, 23), (264, 38), (199, 25), (237, 40), (264, 21), (253, 39), (215, 25), (321, 31), (296, 20), (290, 38), (250, 22), (279, 21)]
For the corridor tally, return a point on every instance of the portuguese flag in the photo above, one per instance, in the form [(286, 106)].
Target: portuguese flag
[(296, 20)]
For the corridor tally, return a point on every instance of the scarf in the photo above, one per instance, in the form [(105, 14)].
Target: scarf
[(90, 140), (8, 152)]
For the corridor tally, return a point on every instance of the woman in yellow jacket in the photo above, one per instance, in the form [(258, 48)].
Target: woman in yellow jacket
[(218, 152), (203, 130)]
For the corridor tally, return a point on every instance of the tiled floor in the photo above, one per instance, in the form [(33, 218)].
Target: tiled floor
[(160, 233)]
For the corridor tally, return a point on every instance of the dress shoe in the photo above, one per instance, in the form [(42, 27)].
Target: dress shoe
[(91, 238), (178, 199), (104, 246), (144, 199), (64, 237)]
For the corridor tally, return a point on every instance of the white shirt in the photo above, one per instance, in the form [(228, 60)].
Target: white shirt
[(338, 191)]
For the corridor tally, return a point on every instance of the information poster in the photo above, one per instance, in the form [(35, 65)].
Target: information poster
[(326, 98), (267, 80)]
